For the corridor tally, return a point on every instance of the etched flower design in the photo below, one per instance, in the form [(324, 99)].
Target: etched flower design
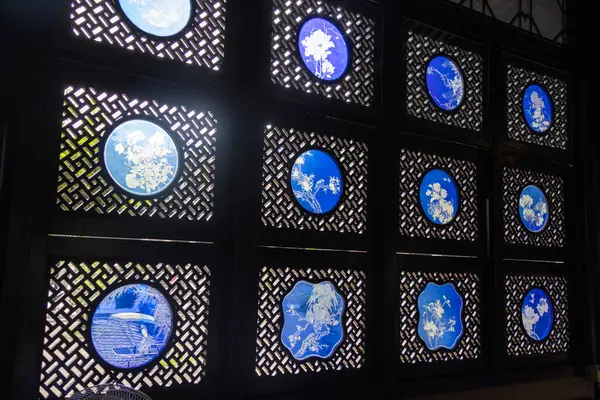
[(323, 48), (537, 314), (445, 83), (440, 308), (533, 208), (439, 197), (537, 107)]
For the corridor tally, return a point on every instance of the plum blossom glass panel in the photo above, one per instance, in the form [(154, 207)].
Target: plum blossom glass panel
[(445, 83), (537, 108), (537, 314), (534, 209), (162, 18), (131, 326), (312, 315), (440, 316), (439, 197)]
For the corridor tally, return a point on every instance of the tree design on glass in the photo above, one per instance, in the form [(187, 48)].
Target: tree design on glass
[(440, 316), (323, 49), (439, 196), (131, 326), (537, 108), (141, 157), (316, 181), (537, 314), (533, 209), (445, 83), (312, 320), (162, 18)]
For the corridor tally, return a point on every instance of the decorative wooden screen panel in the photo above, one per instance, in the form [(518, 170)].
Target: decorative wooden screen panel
[(419, 49), (413, 165), (272, 358), (279, 210), (87, 114), (557, 135), (517, 342), (286, 66), (202, 44), (68, 364)]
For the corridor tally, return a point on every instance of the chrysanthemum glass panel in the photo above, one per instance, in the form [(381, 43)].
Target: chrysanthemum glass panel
[(533, 208), (537, 108), (439, 196), (537, 314), (440, 316), (162, 18), (445, 83)]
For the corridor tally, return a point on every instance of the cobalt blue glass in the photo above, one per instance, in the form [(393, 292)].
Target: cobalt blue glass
[(445, 83), (161, 18), (440, 316), (537, 314), (537, 108), (439, 197), (533, 209)]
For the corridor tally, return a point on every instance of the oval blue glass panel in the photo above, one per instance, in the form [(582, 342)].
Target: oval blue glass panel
[(445, 83), (439, 197), (533, 208), (537, 314), (141, 157), (537, 108), (323, 49), (312, 320), (316, 181), (131, 326), (162, 18), (440, 316)]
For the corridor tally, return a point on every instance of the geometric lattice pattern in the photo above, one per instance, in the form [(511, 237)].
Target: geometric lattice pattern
[(68, 363), (413, 165), (517, 341), (287, 69), (557, 135), (87, 115), (412, 348), (272, 358), (202, 44), (513, 181), (419, 50), (280, 210)]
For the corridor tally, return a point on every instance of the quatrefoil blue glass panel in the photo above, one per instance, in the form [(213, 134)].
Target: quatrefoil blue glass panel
[(537, 108), (537, 314), (312, 320), (440, 316), (445, 83), (162, 18), (533, 208), (323, 49), (131, 326), (439, 196)]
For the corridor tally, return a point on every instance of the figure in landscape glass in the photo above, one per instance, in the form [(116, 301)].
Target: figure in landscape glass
[(533, 208), (445, 83), (439, 196), (537, 314), (323, 49), (141, 157), (312, 320), (161, 18), (131, 326), (440, 316), (316, 181), (537, 108)]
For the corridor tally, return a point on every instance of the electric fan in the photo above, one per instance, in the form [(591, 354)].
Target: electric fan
[(110, 391)]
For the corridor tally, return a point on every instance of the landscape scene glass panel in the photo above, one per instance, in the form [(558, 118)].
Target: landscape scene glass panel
[(439, 196), (537, 314), (445, 83), (440, 316), (533, 208), (161, 18), (537, 108)]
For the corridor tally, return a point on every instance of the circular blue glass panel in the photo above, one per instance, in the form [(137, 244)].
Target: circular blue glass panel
[(141, 157), (440, 316), (439, 197), (323, 49), (537, 314), (533, 208), (445, 83), (162, 18), (312, 320), (537, 108), (131, 326), (317, 181)]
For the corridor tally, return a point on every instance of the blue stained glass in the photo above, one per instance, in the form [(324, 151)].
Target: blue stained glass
[(537, 314), (533, 208), (537, 107), (439, 196), (161, 18), (440, 316), (317, 181), (131, 326), (445, 83), (323, 49), (141, 157), (312, 320)]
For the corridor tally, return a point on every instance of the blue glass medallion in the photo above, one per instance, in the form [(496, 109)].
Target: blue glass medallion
[(533, 208), (323, 49), (131, 326), (162, 18), (439, 197), (537, 108), (537, 314), (317, 181), (312, 320), (445, 83), (440, 316), (141, 157)]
